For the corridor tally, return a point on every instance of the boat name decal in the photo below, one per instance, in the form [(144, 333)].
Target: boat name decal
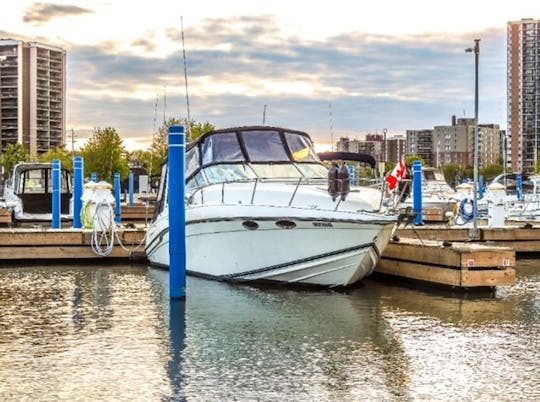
[(322, 224)]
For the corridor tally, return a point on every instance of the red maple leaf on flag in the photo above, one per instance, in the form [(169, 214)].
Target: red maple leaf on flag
[(396, 175)]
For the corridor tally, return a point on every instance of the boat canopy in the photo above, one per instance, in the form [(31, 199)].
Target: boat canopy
[(348, 156), (253, 144)]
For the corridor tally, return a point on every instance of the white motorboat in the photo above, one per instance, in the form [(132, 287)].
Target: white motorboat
[(436, 193), (258, 208), (28, 192)]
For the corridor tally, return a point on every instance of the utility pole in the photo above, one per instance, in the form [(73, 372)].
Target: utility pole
[(474, 233)]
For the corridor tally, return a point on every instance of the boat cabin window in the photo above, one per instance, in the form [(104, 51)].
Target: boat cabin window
[(268, 170), (301, 148), (192, 161), (313, 170), (39, 181), (227, 172), (221, 148), (264, 146)]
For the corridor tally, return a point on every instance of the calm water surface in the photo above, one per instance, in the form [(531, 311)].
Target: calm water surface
[(100, 333)]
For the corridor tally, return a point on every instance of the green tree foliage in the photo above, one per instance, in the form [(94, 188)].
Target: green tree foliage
[(409, 160), (104, 154), (489, 172), (159, 148), (65, 157), (453, 174), (14, 154)]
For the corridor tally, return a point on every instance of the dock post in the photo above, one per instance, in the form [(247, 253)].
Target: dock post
[(417, 193), (78, 182), (482, 186), (519, 187), (56, 186), (93, 177), (117, 198), (177, 213), (131, 188), (352, 175)]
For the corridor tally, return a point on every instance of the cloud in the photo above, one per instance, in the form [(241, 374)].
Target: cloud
[(39, 13), (237, 66)]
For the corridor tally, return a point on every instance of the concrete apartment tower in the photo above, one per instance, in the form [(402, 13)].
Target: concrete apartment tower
[(32, 96), (523, 54)]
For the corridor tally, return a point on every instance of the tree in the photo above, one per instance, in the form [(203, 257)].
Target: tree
[(14, 154), (159, 148), (453, 173), (61, 154), (489, 172), (104, 154), (409, 160)]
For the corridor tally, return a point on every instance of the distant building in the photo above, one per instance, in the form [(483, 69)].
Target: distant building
[(523, 56), (454, 144), (32, 96), (372, 145), (396, 148), (420, 143)]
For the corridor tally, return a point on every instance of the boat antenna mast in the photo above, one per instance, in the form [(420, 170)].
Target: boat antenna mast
[(264, 115), (331, 129), (186, 81)]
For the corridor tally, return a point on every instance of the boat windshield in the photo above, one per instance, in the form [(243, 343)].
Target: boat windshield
[(252, 153)]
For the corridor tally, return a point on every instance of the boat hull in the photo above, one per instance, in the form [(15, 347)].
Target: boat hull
[(293, 246)]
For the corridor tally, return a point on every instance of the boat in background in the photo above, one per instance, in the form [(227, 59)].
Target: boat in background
[(28, 192), (258, 208), (436, 192)]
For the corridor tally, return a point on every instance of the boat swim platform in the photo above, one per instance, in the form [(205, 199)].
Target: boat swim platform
[(38, 244), (461, 265)]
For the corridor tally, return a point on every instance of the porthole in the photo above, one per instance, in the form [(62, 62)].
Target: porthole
[(284, 224), (250, 225)]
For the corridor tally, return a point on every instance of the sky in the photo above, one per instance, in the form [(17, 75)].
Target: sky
[(332, 69)]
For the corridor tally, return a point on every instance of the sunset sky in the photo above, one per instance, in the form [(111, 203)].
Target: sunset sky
[(388, 64)]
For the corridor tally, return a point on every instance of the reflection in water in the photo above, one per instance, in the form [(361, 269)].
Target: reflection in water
[(111, 333)]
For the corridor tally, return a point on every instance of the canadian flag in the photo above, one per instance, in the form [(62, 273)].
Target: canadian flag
[(399, 172)]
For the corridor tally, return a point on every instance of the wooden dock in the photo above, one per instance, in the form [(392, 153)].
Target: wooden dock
[(49, 244), (521, 237), (461, 265)]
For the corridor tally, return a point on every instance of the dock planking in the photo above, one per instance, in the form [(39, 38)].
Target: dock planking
[(462, 265), (522, 237), (37, 244)]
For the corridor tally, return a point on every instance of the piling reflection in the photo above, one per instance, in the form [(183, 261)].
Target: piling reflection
[(177, 330)]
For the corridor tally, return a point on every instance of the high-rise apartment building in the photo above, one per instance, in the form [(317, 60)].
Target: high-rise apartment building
[(523, 53), (32, 96), (420, 143), (454, 143)]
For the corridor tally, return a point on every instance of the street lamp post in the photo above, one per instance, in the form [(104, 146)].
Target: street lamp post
[(474, 234)]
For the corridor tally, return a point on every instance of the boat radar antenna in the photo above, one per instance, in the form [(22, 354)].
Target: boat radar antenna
[(153, 136), (188, 128)]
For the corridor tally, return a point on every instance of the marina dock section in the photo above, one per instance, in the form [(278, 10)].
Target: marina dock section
[(462, 265), (59, 244)]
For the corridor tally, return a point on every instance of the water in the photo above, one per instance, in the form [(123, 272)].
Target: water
[(99, 333)]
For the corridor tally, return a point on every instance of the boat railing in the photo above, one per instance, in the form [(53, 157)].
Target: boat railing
[(297, 182)]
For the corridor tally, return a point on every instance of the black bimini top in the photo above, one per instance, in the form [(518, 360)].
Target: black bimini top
[(348, 156)]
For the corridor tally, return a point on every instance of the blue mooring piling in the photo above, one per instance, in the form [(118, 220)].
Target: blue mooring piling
[(78, 183), (177, 213), (131, 188), (417, 193), (519, 187), (56, 188), (117, 198)]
